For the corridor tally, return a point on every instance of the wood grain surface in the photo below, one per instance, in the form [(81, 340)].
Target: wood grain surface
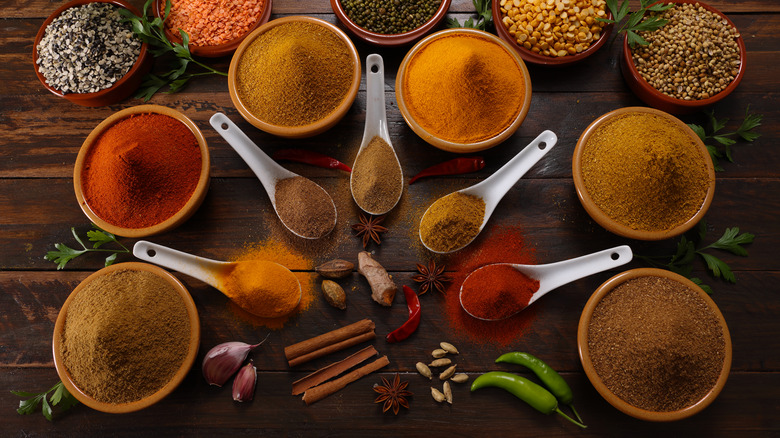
[(40, 136)]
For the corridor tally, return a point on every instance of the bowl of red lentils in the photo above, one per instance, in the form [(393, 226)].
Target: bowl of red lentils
[(552, 32), (694, 61), (390, 23), (677, 355), (215, 28), (84, 52)]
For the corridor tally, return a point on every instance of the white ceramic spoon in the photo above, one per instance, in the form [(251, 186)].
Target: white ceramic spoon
[(376, 122), (213, 272), (267, 170), (554, 275), (493, 188)]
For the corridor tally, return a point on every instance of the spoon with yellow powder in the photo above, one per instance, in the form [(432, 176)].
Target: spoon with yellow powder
[(455, 220), (304, 207), (376, 180), (262, 288)]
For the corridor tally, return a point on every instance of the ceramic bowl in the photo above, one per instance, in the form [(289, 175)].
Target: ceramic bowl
[(219, 50), (389, 40), (311, 129), (547, 61), (616, 227), (122, 88), (656, 99), (590, 372), (447, 145), (172, 222), (192, 351)]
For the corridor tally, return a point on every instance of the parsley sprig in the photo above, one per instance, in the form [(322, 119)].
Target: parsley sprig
[(484, 17), (59, 397), (153, 33), (745, 132), (635, 23), (64, 253), (682, 261)]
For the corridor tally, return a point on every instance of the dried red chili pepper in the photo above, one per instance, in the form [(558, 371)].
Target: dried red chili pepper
[(411, 324), (455, 166), (309, 157)]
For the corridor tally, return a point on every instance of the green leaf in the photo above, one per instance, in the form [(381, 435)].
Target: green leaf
[(701, 284), (453, 23), (110, 259), (659, 7), (29, 406), (718, 268), (100, 237), (731, 241), (634, 18), (47, 410), (24, 393), (748, 136), (701, 229), (723, 140), (699, 130), (634, 39), (651, 24), (622, 12)]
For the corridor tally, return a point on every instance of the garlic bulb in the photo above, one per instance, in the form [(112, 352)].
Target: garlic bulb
[(223, 361)]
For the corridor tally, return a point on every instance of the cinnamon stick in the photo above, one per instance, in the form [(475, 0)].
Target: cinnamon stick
[(330, 342), (332, 370), (319, 392)]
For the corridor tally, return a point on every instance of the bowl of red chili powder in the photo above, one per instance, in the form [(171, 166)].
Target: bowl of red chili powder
[(654, 345), (126, 337), (142, 171)]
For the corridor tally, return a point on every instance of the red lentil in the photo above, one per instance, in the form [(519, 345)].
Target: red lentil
[(213, 22)]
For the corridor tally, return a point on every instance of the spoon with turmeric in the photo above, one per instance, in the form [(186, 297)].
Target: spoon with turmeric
[(262, 288), (304, 207), (377, 180), (501, 290), (455, 220)]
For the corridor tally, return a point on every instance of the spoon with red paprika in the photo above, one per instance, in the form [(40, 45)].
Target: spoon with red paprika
[(501, 290)]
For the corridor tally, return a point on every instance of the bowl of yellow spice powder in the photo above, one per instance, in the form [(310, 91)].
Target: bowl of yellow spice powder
[(126, 337), (294, 77), (463, 90), (642, 173)]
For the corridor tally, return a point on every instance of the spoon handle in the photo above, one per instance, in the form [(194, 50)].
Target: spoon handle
[(376, 117), (201, 268), (557, 274), (511, 172)]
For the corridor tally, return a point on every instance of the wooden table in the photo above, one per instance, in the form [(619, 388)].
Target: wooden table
[(41, 135)]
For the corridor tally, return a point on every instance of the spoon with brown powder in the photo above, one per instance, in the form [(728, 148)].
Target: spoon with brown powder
[(262, 288), (304, 207), (377, 181)]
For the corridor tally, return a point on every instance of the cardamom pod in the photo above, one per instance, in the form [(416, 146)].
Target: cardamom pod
[(447, 392), (437, 395), (443, 362), (423, 369), (437, 353), (446, 374), (335, 269), (449, 348), (334, 294), (460, 378)]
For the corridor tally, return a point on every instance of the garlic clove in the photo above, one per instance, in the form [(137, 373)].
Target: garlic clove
[(222, 361), (244, 384)]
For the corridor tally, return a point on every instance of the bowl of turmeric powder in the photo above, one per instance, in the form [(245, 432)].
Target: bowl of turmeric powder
[(142, 171), (642, 173), (452, 87)]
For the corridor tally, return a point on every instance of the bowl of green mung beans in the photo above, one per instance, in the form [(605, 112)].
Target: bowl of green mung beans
[(390, 23)]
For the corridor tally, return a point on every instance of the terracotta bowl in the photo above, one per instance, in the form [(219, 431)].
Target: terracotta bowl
[(656, 99), (616, 227), (585, 357), (172, 222), (122, 88), (389, 40), (221, 49), (311, 129), (446, 144), (194, 343), (547, 61)]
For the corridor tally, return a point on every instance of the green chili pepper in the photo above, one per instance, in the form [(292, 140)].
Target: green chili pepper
[(551, 379), (536, 396)]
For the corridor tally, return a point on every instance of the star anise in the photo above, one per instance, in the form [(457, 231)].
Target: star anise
[(393, 395), (432, 277), (369, 227)]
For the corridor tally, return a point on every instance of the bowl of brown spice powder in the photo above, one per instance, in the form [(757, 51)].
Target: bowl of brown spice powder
[(654, 345), (126, 337)]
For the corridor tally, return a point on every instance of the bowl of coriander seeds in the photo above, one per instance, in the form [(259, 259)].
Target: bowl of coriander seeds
[(86, 53), (694, 61)]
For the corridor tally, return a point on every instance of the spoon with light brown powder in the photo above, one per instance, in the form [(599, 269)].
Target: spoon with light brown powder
[(376, 181), (304, 207), (262, 288)]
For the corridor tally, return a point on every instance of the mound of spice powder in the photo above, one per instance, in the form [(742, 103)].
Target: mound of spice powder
[(656, 344), (452, 222), (496, 292), (305, 207), (126, 334), (212, 22), (294, 74), (377, 179), (645, 172), (141, 171)]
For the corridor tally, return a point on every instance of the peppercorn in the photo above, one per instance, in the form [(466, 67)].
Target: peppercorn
[(390, 16)]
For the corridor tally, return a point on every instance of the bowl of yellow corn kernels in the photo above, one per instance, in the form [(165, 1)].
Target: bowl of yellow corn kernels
[(552, 32)]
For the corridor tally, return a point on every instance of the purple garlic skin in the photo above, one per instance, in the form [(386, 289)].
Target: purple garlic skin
[(245, 382), (222, 361)]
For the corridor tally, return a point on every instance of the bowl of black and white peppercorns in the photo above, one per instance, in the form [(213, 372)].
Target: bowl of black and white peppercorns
[(86, 53), (694, 61)]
